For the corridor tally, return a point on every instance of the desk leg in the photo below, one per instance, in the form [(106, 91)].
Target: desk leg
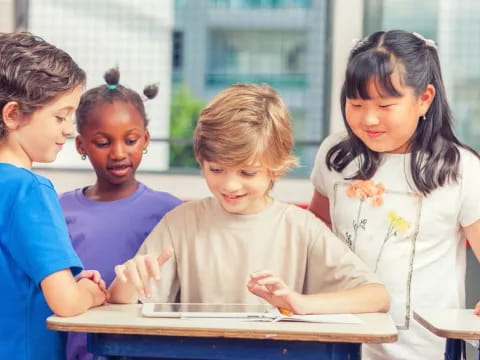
[(178, 347), (455, 349)]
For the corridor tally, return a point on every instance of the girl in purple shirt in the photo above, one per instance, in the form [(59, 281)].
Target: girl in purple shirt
[(109, 220)]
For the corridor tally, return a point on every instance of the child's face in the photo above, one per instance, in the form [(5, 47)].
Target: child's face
[(239, 190), (44, 132), (386, 124), (113, 138)]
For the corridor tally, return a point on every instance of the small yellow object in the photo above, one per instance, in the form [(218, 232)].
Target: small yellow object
[(285, 311)]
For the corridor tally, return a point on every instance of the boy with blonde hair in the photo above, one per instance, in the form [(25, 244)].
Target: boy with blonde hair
[(241, 245)]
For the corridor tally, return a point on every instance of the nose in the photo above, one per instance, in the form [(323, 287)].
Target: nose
[(231, 184), (371, 118), (117, 151)]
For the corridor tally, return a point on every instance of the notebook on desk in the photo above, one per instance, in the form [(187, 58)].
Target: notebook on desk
[(239, 311)]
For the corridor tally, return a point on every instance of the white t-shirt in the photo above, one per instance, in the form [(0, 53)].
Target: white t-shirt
[(215, 251), (415, 244)]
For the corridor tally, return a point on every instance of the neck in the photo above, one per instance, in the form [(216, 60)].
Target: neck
[(110, 192), (9, 156)]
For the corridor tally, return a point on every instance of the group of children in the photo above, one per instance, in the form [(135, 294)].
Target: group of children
[(397, 190)]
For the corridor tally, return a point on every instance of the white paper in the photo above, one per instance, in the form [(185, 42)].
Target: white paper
[(324, 318)]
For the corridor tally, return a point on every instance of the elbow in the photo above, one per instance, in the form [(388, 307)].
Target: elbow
[(383, 298), (67, 310), (69, 306)]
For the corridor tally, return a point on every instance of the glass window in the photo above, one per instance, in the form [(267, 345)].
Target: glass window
[(273, 57), (194, 49), (273, 4)]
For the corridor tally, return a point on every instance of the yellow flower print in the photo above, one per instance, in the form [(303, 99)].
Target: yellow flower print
[(397, 225), (400, 224)]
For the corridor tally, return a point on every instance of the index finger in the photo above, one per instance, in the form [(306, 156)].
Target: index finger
[(165, 255)]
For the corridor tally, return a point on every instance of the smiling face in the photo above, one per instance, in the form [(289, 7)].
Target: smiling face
[(39, 136), (239, 190), (113, 138), (386, 124)]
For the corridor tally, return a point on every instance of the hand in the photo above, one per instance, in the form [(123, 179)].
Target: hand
[(477, 309), (140, 269), (94, 276), (98, 295), (271, 288)]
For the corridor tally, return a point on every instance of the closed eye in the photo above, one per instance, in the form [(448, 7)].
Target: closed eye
[(130, 141), (60, 119), (215, 170), (248, 173)]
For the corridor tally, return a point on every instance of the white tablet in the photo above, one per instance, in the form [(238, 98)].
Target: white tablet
[(197, 310)]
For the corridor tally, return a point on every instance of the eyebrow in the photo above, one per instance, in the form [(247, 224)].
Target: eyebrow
[(67, 108), (126, 132)]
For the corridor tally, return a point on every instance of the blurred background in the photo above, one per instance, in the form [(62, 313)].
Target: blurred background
[(195, 48)]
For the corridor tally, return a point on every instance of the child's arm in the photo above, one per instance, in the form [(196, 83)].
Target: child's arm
[(133, 277), (472, 232), (361, 299), (319, 205), (67, 297)]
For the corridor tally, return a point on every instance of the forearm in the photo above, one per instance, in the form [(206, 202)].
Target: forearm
[(361, 299), (66, 297), (122, 292)]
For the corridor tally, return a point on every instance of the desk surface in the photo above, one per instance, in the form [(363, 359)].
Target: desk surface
[(127, 319), (450, 323)]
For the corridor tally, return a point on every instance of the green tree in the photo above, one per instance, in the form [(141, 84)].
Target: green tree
[(184, 111)]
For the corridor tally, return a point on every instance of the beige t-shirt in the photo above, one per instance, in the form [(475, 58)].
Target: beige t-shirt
[(215, 251)]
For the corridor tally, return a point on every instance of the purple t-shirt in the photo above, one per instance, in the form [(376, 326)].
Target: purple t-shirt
[(108, 233)]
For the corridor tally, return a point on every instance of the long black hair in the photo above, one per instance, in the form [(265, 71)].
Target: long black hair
[(434, 147)]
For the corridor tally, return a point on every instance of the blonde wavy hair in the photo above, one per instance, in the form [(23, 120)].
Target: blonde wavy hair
[(243, 124)]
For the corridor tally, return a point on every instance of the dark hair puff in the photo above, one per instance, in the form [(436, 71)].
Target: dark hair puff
[(112, 92)]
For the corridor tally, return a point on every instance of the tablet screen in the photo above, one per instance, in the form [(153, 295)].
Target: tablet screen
[(211, 308)]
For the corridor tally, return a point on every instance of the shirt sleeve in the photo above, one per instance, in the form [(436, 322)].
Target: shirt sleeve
[(470, 174), (320, 174), (167, 288), (38, 238), (331, 265)]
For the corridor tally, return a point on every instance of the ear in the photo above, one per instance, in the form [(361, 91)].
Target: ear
[(147, 139), (12, 115), (79, 145), (426, 98)]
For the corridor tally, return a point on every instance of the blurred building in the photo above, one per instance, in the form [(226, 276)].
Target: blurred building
[(283, 43)]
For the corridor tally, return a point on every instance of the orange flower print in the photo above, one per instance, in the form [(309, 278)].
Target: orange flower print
[(363, 190), (367, 190)]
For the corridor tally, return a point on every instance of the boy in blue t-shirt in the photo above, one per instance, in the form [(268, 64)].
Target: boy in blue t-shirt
[(40, 87)]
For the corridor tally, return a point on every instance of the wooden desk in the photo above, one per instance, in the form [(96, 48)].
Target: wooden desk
[(454, 324), (121, 330)]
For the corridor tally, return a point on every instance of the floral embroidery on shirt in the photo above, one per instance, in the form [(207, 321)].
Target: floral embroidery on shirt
[(363, 190), (397, 225)]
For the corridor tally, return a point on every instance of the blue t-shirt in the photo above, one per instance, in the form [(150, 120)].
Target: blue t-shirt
[(34, 243), (108, 233)]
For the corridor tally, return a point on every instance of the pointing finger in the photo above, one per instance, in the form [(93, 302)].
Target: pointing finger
[(165, 255)]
